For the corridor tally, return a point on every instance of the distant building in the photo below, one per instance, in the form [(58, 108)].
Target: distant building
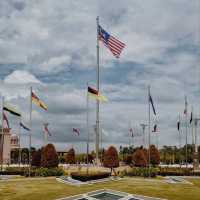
[(7, 143)]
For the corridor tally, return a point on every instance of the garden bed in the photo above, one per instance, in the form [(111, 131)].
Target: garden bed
[(83, 177)]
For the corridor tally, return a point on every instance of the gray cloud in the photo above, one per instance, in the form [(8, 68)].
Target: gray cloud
[(51, 45)]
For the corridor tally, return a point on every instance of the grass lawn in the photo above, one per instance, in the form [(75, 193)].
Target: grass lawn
[(49, 188)]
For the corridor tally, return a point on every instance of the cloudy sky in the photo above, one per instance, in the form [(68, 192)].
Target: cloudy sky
[(51, 46)]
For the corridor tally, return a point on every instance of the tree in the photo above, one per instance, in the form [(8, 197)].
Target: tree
[(90, 158), (154, 156), (70, 157), (36, 158), (128, 159), (139, 158), (111, 159), (49, 156)]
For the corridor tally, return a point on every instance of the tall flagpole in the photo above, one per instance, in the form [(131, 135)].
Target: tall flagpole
[(45, 135), (98, 88), (88, 132), (192, 128), (186, 132), (30, 131), (149, 110), (129, 134), (2, 135), (20, 120), (179, 134)]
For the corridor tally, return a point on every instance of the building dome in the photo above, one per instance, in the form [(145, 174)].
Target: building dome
[(14, 140)]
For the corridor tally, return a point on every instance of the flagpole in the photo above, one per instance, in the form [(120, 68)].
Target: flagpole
[(149, 114), (156, 138), (30, 131), (186, 132), (143, 133), (179, 132), (192, 127), (20, 120), (129, 135), (45, 136), (98, 88), (2, 135), (88, 133), (133, 139)]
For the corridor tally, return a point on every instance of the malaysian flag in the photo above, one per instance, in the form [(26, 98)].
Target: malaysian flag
[(110, 42)]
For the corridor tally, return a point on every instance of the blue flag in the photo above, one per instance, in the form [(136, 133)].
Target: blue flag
[(24, 127)]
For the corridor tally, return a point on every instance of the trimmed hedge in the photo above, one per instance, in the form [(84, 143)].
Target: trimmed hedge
[(143, 172), (24, 171), (49, 172), (88, 177), (14, 171), (170, 171)]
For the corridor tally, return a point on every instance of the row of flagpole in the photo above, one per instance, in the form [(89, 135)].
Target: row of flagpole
[(36, 100), (115, 46)]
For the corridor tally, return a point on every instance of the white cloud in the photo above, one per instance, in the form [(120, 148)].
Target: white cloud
[(53, 37), (21, 77)]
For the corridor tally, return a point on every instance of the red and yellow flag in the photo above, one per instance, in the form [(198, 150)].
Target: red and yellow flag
[(38, 102), (95, 93)]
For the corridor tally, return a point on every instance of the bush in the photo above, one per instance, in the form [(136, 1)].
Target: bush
[(170, 171), (49, 172), (128, 160), (143, 172), (14, 171), (91, 176), (49, 156), (24, 171)]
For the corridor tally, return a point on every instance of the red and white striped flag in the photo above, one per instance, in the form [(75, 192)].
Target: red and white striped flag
[(110, 42)]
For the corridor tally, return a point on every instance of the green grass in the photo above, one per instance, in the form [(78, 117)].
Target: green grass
[(49, 188)]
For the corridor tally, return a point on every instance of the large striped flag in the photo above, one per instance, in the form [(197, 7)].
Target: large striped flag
[(110, 42), (95, 93), (11, 110), (38, 102)]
